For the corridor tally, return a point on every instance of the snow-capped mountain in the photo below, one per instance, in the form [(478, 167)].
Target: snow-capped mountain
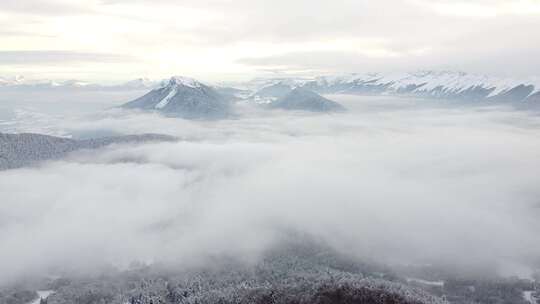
[(10, 81), (140, 83), (303, 99), (431, 84), (22, 83), (275, 90), (449, 85), (183, 97), (445, 85)]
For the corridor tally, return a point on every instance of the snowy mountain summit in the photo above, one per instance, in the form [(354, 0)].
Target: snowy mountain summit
[(183, 97), (441, 85), (185, 81), (432, 84), (139, 83)]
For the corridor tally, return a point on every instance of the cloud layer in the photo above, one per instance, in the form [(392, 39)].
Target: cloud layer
[(412, 184)]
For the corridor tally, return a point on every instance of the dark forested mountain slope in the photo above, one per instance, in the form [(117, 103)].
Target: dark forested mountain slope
[(18, 150)]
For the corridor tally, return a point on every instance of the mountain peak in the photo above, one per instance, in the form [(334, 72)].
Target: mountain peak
[(139, 83), (184, 81), (184, 97), (15, 80), (303, 99)]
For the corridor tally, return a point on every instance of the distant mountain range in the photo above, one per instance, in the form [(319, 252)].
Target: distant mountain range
[(19, 150), (20, 83), (446, 85), (443, 85)]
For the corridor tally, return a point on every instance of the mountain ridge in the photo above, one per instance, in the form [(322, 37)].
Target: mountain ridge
[(445, 85)]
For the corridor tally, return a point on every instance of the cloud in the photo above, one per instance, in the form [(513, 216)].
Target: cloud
[(482, 9), (16, 33), (392, 56), (56, 57), (412, 184), (337, 61), (189, 37), (43, 7)]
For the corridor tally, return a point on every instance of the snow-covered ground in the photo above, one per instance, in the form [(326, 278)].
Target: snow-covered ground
[(528, 296), (42, 294), (425, 282), (165, 101)]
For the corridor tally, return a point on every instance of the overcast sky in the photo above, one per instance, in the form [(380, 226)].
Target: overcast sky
[(104, 40)]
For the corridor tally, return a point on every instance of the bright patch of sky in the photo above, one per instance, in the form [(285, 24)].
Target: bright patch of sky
[(113, 40)]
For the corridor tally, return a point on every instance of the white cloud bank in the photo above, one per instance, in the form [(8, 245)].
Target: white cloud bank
[(402, 185)]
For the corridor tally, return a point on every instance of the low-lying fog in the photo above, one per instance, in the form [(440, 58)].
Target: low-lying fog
[(395, 180)]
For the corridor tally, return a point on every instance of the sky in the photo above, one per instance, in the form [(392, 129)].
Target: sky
[(215, 40)]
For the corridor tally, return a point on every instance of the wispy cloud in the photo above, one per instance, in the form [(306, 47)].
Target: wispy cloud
[(44, 7), (482, 9), (56, 57)]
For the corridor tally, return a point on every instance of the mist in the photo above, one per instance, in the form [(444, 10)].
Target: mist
[(393, 180)]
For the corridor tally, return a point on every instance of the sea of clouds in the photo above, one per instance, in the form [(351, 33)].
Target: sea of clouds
[(394, 180)]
